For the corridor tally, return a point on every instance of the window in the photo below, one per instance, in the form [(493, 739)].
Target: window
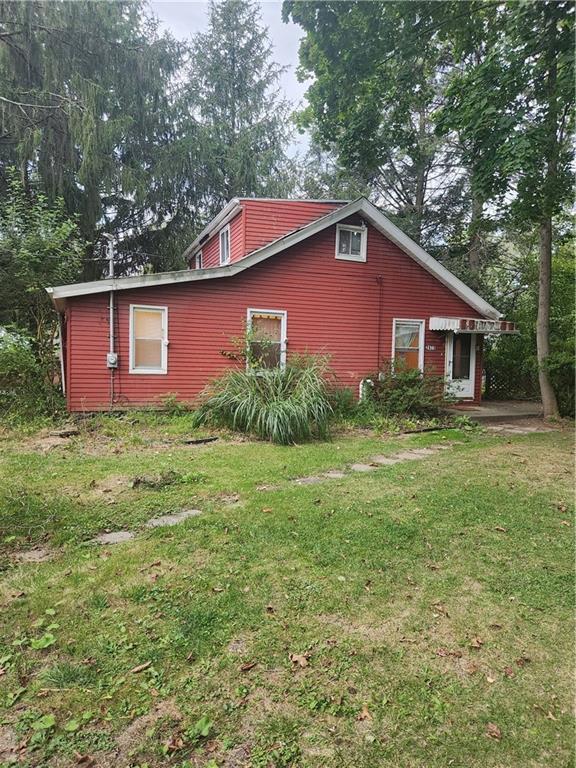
[(408, 349), (267, 338), (351, 243), (198, 260), (148, 339), (225, 246)]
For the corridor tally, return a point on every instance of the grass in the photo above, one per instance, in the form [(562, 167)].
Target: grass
[(383, 619)]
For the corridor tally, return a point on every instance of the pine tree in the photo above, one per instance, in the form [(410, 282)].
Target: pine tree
[(235, 99)]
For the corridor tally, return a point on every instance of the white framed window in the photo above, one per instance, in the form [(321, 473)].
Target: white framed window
[(224, 245), (351, 242), (198, 260), (148, 339), (267, 337), (408, 343)]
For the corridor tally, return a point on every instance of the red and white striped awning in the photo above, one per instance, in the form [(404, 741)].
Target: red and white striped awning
[(471, 325)]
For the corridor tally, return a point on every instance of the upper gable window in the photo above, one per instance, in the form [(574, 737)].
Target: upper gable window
[(198, 260), (351, 242), (224, 246)]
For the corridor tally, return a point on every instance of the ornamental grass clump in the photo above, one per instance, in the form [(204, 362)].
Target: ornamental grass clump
[(284, 405)]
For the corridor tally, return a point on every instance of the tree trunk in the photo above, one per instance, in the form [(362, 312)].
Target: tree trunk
[(547, 393), (475, 245)]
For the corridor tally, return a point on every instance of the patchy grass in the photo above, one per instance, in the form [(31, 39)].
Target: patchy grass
[(417, 615)]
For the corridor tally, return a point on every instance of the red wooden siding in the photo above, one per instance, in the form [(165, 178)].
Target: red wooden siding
[(267, 220), (260, 222), (332, 308)]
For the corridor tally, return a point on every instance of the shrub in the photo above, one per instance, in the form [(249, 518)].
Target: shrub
[(25, 390), (406, 391), (281, 405)]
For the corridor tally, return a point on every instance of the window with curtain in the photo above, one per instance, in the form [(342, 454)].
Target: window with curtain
[(148, 340), (350, 243), (408, 340), (266, 339)]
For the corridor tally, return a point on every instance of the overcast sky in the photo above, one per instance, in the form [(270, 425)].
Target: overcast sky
[(185, 18)]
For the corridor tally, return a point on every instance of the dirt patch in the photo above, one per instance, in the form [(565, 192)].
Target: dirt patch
[(522, 427), (48, 443), (34, 555), (132, 737), (8, 746)]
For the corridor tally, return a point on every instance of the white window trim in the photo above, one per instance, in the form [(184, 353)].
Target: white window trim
[(198, 260), (220, 234), (363, 239), (421, 323), (283, 315), (164, 366)]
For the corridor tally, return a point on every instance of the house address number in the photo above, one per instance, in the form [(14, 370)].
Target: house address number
[(430, 347)]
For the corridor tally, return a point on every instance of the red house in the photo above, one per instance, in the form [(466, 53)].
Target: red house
[(328, 277)]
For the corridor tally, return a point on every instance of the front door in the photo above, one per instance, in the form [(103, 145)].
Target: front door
[(460, 364)]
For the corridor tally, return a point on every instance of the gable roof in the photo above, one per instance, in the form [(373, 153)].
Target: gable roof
[(360, 206)]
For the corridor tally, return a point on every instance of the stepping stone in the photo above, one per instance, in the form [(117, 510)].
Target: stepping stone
[(115, 537), (408, 456), (384, 460), (177, 517), (312, 480), (334, 474), (423, 451), (362, 468)]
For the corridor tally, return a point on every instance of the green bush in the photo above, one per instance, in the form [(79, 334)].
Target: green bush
[(284, 406), (25, 389), (406, 392)]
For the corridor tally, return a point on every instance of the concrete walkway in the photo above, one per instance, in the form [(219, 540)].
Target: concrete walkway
[(492, 411)]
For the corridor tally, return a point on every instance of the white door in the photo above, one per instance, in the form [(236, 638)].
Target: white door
[(460, 364)]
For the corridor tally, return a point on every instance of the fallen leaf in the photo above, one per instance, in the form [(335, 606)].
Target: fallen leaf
[(564, 522), (550, 716), (442, 652), (490, 679), (364, 714), (441, 608), (501, 529), (472, 668), (247, 666), (270, 609), (267, 509), (522, 661), (301, 660), (476, 642), (217, 589), (493, 732), (508, 671), (86, 760), (141, 667), (174, 743)]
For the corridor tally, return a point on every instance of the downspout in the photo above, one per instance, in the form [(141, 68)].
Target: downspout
[(111, 361), (61, 355), (380, 281)]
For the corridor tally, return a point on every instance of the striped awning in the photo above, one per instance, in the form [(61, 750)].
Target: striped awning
[(471, 325)]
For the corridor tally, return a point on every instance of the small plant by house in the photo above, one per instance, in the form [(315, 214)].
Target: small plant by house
[(401, 391)]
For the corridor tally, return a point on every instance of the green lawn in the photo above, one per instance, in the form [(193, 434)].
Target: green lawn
[(417, 615)]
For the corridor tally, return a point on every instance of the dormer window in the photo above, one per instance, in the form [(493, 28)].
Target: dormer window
[(351, 242), (224, 246), (198, 260)]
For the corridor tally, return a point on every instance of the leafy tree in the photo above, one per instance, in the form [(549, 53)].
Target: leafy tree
[(233, 86), (88, 106), (378, 80), (40, 245), (514, 110)]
